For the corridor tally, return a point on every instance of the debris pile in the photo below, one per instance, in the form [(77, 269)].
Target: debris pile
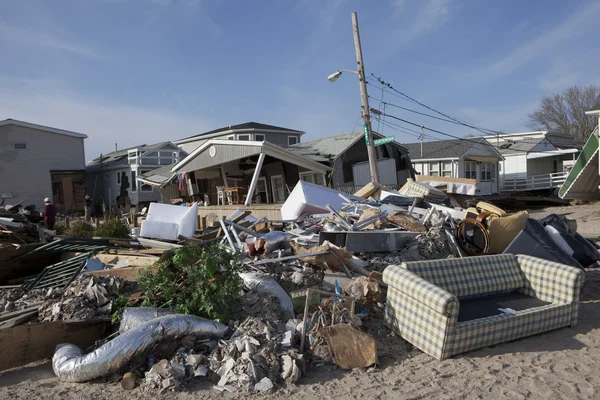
[(255, 358), (87, 298)]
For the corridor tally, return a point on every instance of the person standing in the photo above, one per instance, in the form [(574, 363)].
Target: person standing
[(88, 208), (49, 213)]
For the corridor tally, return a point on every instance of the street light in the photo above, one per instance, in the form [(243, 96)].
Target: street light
[(334, 77)]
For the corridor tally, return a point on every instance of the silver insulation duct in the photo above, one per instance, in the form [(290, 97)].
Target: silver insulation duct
[(262, 283), (134, 316), (70, 365)]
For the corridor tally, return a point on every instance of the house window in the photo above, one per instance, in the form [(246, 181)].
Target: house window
[(133, 182), (447, 168), (292, 140), (243, 137), (231, 137), (259, 137), (434, 169), (20, 146), (118, 178), (143, 186), (486, 172), (313, 177), (470, 170)]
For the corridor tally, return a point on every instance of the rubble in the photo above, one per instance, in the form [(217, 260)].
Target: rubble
[(87, 298)]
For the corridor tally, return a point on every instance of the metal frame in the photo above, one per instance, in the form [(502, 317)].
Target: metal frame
[(60, 274)]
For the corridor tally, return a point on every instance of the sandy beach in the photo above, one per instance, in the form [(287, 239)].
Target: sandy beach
[(561, 364)]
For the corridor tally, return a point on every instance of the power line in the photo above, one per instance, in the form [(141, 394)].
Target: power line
[(458, 121), (448, 134)]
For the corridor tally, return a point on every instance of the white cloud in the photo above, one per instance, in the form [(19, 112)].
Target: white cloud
[(547, 44), (104, 123), (432, 15), (33, 36)]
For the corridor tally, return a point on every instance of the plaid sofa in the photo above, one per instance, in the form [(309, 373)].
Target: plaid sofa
[(424, 298)]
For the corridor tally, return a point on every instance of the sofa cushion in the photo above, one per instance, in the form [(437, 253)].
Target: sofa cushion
[(471, 276), (491, 305)]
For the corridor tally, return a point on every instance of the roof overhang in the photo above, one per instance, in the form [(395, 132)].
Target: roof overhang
[(249, 148), (434, 159), (483, 159), (593, 112), (552, 153), (42, 128), (235, 131)]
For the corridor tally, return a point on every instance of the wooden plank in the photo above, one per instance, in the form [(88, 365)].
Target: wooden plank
[(126, 273), (18, 320), (8, 315), (27, 343), (132, 261)]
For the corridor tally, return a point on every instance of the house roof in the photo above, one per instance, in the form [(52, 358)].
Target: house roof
[(245, 127), (158, 176), (110, 158), (231, 150), (330, 148), (594, 110), (583, 179), (24, 124), (454, 148)]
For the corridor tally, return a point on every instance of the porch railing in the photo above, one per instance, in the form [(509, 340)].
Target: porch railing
[(534, 182)]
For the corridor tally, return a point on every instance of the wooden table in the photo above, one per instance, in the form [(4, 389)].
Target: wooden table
[(234, 190)]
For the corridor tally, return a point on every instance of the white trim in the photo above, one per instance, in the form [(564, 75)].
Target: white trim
[(230, 137), (237, 136), (593, 112), (273, 189), (259, 134), (434, 159), (42, 128), (295, 138)]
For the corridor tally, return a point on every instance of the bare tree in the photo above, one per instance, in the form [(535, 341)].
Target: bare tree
[(565, 112)]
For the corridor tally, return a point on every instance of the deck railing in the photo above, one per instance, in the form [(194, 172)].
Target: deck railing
[(534, 182)]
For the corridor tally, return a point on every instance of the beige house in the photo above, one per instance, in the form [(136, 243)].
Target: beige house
[(39, 161)]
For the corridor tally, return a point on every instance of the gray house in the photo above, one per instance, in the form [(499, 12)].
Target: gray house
[(38, 161), (347, 155), (249, 131), (472, 158), (111, 174)]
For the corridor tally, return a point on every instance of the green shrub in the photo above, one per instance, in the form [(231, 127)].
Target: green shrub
[(60, 228), (80, 229), (203, 282), (113, 228)]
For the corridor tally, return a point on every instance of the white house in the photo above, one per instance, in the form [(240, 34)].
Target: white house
[(534, 160), (472, 158), (112, 173), (38, 161)]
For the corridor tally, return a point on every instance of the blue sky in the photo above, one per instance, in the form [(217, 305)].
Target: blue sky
[(143, 71)]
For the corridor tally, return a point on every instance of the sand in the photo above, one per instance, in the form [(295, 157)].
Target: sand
[(562, 364)]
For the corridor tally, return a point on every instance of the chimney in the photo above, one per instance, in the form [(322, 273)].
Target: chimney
[(116, 147)]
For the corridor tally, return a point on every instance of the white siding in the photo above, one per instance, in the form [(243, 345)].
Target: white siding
[(26, 173), (515, 166), (385, 168)]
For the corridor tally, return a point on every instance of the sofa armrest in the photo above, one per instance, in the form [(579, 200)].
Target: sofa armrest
[(551, 281), (419, 289)]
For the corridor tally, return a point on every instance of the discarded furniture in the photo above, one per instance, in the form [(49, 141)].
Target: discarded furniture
[(168, 222), (220, 195), (535, 241), (307, 198), (233, 194), (450, 184), (422, 190), (451, 306), (369, 241)]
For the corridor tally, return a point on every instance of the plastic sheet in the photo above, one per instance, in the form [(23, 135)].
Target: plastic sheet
[(276, 240), (262, 283), (134, 316), (70, 365)]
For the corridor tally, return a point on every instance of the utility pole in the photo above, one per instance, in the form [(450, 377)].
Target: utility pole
[(365, 102), (421, 137)]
